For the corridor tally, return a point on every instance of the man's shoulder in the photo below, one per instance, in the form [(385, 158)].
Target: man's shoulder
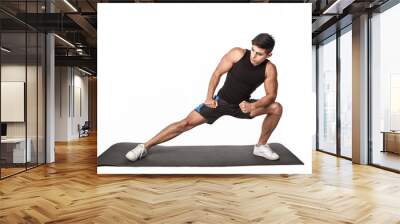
[(270, 65), (236, 53), (270, 68)]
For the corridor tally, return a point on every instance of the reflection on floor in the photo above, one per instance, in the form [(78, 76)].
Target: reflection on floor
[(10, 169), (386, 159)]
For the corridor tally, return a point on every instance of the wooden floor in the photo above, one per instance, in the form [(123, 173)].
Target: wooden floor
[(70, 191)]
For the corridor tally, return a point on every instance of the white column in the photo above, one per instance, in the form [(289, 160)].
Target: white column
[(50, 93)]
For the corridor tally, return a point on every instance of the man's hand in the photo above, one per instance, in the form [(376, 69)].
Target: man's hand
[(246, 107), (211, 103)]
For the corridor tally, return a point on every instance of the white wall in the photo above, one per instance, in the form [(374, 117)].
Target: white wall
[(68, 81), (61, 103), (158, 70), (80, 83)]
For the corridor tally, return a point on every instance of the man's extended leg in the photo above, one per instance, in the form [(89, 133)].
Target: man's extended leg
[(171, 131), (192, 120), (274, 113)]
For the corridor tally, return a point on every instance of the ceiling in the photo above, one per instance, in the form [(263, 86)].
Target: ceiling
[(76, 22)]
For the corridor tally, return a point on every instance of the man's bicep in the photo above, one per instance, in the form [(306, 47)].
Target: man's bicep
[(271, 82)]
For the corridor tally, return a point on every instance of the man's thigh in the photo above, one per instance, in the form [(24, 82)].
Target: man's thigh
[(258, 112), (263, 110)]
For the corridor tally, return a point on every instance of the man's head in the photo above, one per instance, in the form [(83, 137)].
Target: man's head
[(262, 46)]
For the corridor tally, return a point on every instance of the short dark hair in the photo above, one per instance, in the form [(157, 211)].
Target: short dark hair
[(264, 40)]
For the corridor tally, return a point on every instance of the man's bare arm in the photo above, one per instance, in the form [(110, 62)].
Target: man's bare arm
[(223, 67), (271, 87)]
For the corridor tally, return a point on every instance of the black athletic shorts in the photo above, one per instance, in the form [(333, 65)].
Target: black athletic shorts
[(223, 108)]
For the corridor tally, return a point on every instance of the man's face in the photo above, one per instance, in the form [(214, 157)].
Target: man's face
[(258, 55)]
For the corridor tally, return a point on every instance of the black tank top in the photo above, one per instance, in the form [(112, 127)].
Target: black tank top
[(242, 80)]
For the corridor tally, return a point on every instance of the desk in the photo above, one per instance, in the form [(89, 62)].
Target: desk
[(391, 141), (17, 152)]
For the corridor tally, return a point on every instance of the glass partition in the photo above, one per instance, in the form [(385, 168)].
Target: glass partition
[(346, 92), (22, 67), (13, 105), (327, 95), (385, 89)]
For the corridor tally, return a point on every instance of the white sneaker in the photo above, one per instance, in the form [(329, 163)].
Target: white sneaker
[(137, 153), (265, 151)]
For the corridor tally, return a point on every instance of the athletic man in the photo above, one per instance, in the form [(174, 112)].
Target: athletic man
[(246, 70)]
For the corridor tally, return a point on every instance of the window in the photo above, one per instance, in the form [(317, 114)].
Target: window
[(385, 89), (327, 95), (346, 92)]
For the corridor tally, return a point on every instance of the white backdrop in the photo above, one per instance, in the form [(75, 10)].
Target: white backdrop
[(155, 62)]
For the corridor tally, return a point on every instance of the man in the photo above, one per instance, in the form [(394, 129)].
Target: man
[(246, 71)]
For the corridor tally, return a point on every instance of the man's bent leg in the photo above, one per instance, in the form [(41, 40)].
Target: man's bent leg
[(274, 113), (192, 120)]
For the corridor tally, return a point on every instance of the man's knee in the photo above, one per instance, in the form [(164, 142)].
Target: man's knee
[(276, 108), (185, 125)]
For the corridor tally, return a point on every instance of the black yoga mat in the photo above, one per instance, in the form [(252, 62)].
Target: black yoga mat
[(202, 156)]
